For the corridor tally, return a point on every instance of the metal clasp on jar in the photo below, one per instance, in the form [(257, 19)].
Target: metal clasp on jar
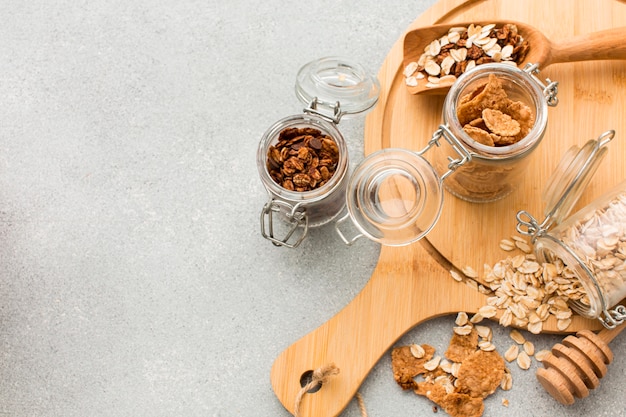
[(550, 88), (376, 170), (296, 219)]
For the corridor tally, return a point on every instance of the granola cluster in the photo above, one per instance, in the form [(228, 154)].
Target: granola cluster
[(303, 159), (471, 370)]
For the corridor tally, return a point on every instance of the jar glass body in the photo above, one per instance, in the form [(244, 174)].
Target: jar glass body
[(494, 171), (320, 205), (592, 244)]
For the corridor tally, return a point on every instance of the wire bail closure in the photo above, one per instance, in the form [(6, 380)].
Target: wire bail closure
[(550, 88), (296, 218)]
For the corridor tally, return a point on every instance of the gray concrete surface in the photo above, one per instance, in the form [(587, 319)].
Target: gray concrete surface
[(133, 277)]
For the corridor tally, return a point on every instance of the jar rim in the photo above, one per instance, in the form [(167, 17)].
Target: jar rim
[(394, 197)]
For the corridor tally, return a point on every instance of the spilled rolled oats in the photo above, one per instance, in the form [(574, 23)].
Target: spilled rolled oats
[(461, 49)]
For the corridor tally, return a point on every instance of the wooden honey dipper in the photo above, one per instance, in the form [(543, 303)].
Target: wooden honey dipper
[(576, 365)]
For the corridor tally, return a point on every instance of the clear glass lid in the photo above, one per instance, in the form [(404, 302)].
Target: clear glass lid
[(394, 197), (572, 176), (333, 80)]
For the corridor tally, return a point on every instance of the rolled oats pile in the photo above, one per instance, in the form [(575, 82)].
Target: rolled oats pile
[(461, 49), (525, 293)]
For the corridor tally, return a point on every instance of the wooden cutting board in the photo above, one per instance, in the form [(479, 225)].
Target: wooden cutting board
[(412, 284)]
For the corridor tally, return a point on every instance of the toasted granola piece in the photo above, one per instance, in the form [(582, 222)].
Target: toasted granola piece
[(454, 403), (461, 347), (406, 366), (481, 373), (479, 135), (491, 95), (500, 123)]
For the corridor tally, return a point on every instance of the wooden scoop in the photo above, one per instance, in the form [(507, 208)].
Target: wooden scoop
[(603, 45), (575, 366)]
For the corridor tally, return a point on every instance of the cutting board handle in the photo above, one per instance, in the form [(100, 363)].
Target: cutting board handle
[(398, 296)]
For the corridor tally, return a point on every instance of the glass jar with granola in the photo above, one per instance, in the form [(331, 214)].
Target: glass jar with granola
[(303, 159), (590, 244), (499, 113)]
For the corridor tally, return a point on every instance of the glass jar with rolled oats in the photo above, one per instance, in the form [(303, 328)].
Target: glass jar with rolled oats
[(499, 113), (303, 159), (590, 243)]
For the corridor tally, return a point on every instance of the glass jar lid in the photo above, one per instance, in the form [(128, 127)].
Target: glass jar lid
[(394, 197), (338, 85), (572, 176)]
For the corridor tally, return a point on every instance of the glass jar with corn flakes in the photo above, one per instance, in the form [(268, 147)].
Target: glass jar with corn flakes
[(303, 159), (499, 113), (395, 196), (590, 245)]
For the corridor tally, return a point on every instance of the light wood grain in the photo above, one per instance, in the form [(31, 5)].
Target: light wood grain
[(592, 99), (412, 284)]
